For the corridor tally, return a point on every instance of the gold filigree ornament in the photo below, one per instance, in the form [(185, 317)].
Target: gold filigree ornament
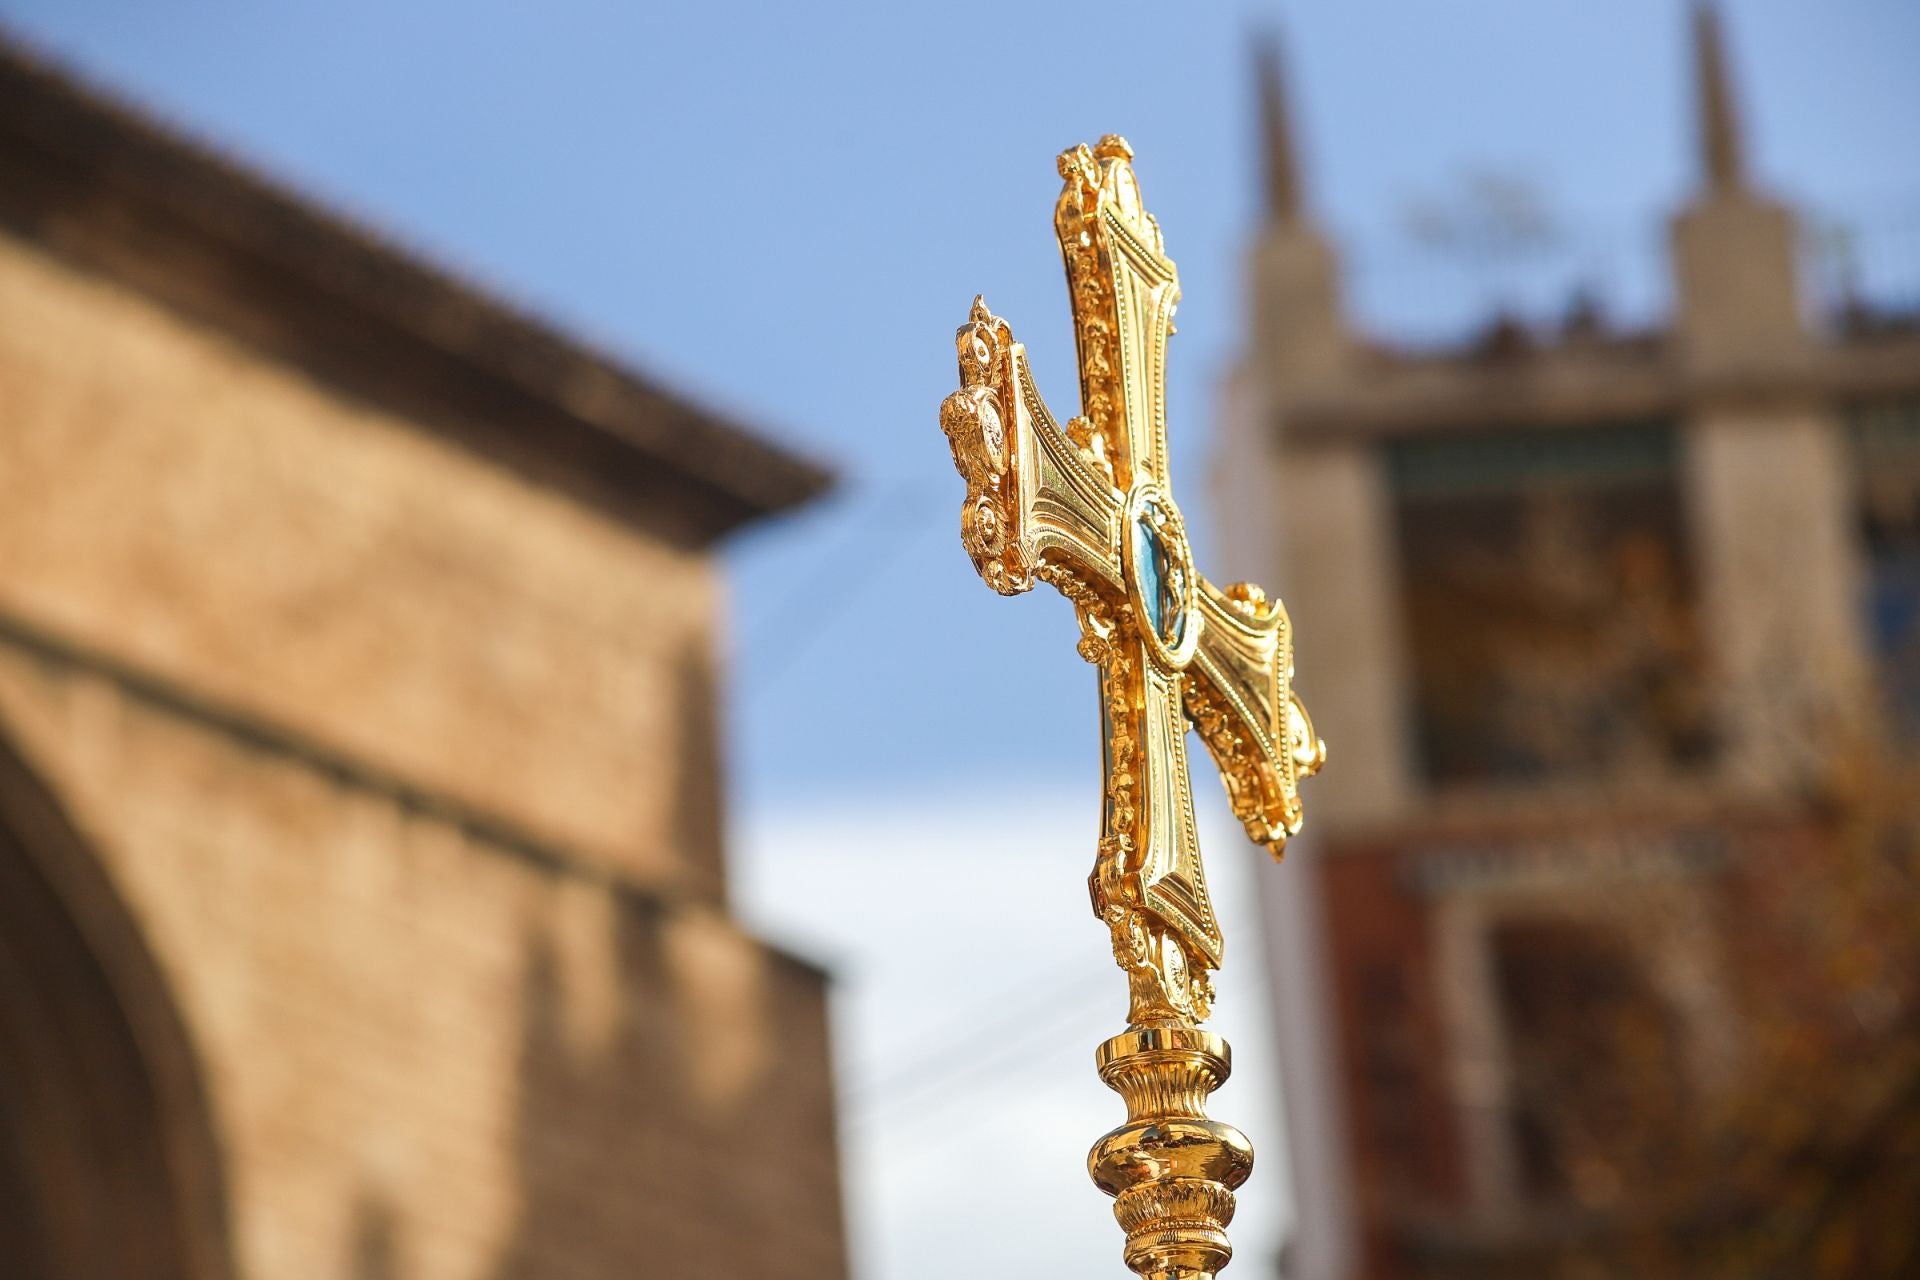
[(1090, 509)]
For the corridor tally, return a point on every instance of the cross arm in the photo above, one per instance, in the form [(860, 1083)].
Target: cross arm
[(1239, 694), (1038, 505)]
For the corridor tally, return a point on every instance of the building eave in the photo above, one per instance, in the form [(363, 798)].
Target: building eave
[(102, 186)]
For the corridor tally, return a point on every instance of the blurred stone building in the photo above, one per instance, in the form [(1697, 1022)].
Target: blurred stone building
[(362, 898), (1585, 614)]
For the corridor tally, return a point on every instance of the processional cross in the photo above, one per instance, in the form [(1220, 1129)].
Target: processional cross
[(1088, 509)]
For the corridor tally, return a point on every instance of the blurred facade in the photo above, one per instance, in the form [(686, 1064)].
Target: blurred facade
[(1602, 960), (362, 901)]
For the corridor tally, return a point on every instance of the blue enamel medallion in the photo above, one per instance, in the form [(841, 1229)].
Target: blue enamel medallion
[(1162, 582)]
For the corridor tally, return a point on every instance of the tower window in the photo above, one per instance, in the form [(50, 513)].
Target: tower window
[(1546, 587), (1597, 1080), (1886, 440)]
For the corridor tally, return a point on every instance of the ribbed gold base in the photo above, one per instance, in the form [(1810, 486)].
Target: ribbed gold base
[(1171, 1171)]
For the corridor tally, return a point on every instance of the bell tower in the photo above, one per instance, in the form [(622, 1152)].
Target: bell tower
[(1588, 625)]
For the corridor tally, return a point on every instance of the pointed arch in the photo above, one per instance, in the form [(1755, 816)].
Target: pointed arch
[(106, 1137)]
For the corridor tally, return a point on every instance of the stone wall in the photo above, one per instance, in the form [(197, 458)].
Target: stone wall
[(431, 1055), (173, 499), (407, 768)]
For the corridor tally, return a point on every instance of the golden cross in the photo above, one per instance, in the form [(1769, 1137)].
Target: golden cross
[(1089, 509)]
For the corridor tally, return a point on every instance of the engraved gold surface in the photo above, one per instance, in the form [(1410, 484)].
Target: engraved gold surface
[(1089, 509)]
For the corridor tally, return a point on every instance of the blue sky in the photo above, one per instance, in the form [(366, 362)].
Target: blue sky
[(784, 210)]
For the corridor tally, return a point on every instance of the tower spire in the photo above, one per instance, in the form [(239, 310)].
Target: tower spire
[(1276, 133), (1721, 149)]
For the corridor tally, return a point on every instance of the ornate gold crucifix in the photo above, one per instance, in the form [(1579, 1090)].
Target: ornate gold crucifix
[(1088, 509)]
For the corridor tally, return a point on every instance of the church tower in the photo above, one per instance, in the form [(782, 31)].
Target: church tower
[(1586, 612)]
